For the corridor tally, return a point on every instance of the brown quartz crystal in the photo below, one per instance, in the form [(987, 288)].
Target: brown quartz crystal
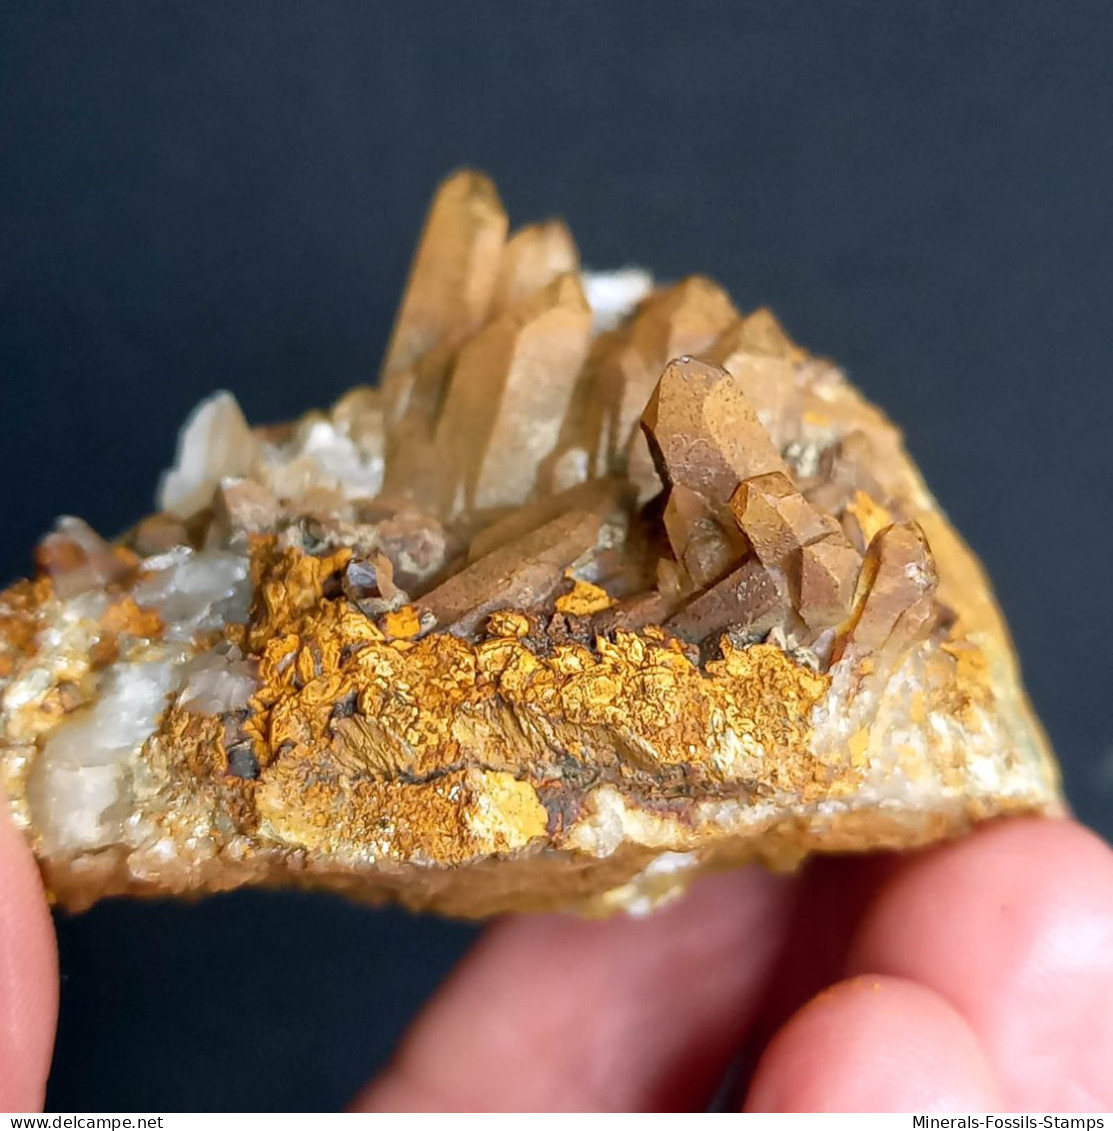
[(601, 587)]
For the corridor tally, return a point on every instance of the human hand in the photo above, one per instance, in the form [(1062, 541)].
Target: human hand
[(975, 976)]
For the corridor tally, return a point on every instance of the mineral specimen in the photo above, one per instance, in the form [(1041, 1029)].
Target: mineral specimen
[(602, 586)]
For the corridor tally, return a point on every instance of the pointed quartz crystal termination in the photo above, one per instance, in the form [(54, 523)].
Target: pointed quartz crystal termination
[(600, 432), (475, 641), (508, 394), (215, 442), (789, 534), (449, 292), (704, 433), (535, 256)]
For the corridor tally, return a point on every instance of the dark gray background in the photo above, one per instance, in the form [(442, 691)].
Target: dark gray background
[(227, 194)]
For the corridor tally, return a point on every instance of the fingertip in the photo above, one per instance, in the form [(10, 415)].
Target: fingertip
[(874, 1044), (28, 975), (1014, 926)]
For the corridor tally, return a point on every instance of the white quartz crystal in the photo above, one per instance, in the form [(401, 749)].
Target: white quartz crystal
[(216, 442), (216, 682), (612, 295), (129, 700), (75, 807), (195, 590), (322, 454), (63, 653), (81, 782), (83, 771), (100, 566)]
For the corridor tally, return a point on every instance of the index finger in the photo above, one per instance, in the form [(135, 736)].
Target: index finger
[(556, 1014)]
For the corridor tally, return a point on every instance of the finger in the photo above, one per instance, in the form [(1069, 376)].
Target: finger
[(1014, 926), (28, 975), (555, 1014), (874, 1044), (831, 896)]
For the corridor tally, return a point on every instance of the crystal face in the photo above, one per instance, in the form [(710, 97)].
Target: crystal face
[(602, 585)]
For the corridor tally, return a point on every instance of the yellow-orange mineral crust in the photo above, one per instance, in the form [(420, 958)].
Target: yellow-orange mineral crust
[(424, 708), (477, 642)]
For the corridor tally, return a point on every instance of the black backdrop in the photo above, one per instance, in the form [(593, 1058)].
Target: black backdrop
[(226, 194)]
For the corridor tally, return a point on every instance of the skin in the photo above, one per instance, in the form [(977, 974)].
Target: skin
[(975, 976)]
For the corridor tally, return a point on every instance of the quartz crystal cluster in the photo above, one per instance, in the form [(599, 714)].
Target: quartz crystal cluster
[(604, 584)]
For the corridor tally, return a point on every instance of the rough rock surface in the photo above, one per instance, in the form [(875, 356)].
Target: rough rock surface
[(600, 587)]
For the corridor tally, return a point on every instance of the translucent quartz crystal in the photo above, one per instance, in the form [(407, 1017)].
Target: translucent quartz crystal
[(603, 585), (216, 442), (194, 591), (217, 683)]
